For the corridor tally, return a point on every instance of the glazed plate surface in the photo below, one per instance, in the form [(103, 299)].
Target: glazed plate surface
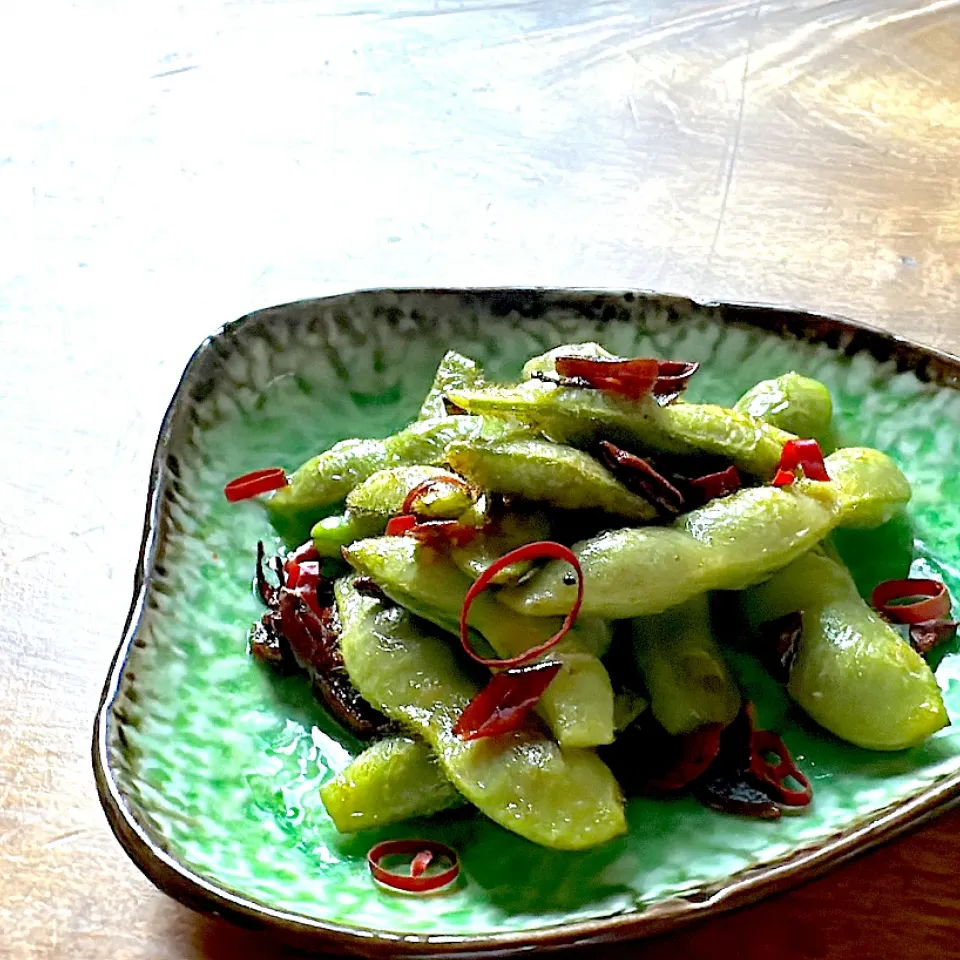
[(209, 768)]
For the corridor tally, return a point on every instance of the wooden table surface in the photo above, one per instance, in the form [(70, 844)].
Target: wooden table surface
[(165, 167)]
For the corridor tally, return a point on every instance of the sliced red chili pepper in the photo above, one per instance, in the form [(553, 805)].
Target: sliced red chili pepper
[(805, 455), (929, 600), (631, 378), (531, 551), (306, 551), (419, 864), (443, 532), (640, 477), (434, 533), (711, 486), (698, 749), (775, 775), (398, 526), (673, 376), (410, 882), (422, 489), (784, 478), (306, 574), (255, 483), (504, 704)]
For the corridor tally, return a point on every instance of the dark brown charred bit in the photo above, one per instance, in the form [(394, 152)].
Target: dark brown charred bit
[(369, 588), (315, 642), (779, 644), (279, 570), (640, 477), (267, 591), (301, 629), (925, 636), (268, 646), (735, 794)]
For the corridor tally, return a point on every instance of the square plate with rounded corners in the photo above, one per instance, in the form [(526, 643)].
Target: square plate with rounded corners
[(209, 769)]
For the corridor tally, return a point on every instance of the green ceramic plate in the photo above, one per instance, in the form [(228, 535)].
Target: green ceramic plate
[(209, 768)]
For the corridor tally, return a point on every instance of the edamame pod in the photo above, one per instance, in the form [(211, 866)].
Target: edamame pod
[(853, 673), (497, 537), (566, 799), (686, 676), (792, 402), (332, 533), (318, 487), (382, 495), (729, 544), (580, 416), (393, 780), (543, 471), (455, 372), (578, 704)]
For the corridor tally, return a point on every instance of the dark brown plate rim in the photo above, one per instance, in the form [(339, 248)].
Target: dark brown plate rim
[(178, 881)]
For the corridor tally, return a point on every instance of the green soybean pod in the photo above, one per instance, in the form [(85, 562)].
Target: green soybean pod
[(393, 780), (853, 673), (562, 798)]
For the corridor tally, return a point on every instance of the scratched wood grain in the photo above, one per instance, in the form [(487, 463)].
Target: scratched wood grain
[(166, 167)]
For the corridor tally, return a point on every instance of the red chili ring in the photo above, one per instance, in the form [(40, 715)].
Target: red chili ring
[(398, 526), (673, 375), (427, 485), (422, 882), (805, 454), (255, 483), (935, 606), (530, 551), (774, 775)]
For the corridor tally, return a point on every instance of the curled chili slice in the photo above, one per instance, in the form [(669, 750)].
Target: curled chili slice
[(505, 702), (542, 549), (399, 526), (784, 478), (306, 551), (640, 477), (434, 533), (711, 486), (438, 533), (428, 486), (673, 376), (419, 864), (774, 776), (306, 574), (630, 378), (803, 455), (920, 600), (415, 879), (253, 484)]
